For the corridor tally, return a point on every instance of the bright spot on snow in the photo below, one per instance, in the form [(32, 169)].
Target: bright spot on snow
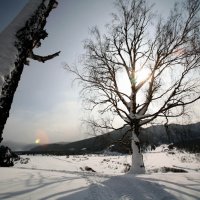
[(37, 141)]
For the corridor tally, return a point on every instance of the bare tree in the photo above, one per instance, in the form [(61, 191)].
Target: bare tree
[(25, 40), (160, 58)]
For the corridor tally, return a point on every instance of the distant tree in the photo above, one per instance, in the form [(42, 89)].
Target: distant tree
[(159, 57), (26, 39)]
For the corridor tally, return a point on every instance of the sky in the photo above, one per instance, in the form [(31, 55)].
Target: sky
[(45, 105)]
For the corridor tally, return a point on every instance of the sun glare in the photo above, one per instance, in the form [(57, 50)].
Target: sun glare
[(123, 81), (142, 75), (41, 137), (37, 141)]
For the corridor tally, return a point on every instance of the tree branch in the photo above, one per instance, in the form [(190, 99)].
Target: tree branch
[(43, 58)]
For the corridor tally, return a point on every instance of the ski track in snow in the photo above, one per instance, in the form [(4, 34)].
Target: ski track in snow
[(96, 189)]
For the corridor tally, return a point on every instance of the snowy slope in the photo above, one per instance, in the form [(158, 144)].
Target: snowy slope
[(61, 177), (8, 51)]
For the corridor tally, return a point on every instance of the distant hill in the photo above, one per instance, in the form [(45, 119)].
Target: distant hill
[(175, 133), (184, 136), (21, 147), (17, 146), (90, 145)]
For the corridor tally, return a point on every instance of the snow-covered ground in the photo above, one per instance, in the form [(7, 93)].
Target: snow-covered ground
[(61, 177)]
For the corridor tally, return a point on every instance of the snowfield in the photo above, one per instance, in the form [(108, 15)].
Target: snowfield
[(64, 177)]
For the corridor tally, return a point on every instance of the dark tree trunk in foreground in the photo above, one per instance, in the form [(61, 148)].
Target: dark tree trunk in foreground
[(27, 38)]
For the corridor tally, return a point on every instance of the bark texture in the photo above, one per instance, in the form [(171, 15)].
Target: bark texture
[(26, 39)]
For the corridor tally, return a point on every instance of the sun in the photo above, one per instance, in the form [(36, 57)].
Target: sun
[(124, 84), (142, 75), (37, 141)]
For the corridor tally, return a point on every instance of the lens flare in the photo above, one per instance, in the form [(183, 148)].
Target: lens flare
[(41, 137), (37, 141)]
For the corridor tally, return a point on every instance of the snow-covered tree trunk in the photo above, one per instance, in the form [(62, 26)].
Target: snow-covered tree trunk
[(17, 42), (137, 157)]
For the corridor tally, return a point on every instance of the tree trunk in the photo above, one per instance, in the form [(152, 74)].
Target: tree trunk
[(26, 38), (7, 96), (137, 157)]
